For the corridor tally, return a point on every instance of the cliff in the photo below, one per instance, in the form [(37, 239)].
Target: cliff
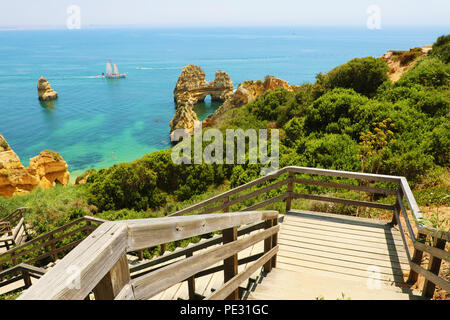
[(45, 91), (44, 170), (400, 62), (192, 88), (246, 93)]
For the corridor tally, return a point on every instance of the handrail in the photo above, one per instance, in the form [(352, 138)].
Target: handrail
[(104, 252), (47, 240), (25, 272)]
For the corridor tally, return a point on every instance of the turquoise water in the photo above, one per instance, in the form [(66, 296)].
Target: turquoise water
[(96, 123)]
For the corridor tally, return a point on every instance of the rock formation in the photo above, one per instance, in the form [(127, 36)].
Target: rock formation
[(50, 168), (45, 91), (192, 88), (246, 93), (44, 170), (396, 61)]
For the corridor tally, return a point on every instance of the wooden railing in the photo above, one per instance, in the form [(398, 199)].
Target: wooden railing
[(49, 245), (21, 272), (283, 185), (402, 191), (13, 229), (99, 264)]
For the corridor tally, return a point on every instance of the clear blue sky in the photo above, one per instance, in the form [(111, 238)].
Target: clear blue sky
[(27, 13)]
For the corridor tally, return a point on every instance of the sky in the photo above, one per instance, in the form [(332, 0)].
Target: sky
[(197, 13)]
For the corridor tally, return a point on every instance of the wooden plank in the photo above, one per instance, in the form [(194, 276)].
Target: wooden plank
[(150, 284), (290, 190), (435, 252), (312, 236), (78, 273), (266, 202), (329, 262), (114, 281), (417, 258), (268, 245), (234, 283), (126, 293), (345, 186), (338, 256), (339, 234), (229, 193), (147, 233), (338, 248), (283, 238), (246, 197), (343, 201), (230, 264), (434, 265), (344, 174), (441, 283)]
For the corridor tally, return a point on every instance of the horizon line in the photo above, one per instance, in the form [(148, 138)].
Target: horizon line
[(144, 26)]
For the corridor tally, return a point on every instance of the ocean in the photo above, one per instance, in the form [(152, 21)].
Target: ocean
[(96, 123)]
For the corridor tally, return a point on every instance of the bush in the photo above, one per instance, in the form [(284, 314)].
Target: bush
[(364, 75), (127, 185), (267, 106), (441, 48), (428, 72)]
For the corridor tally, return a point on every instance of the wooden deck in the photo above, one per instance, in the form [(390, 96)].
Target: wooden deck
[(322, 256), (326, 256)]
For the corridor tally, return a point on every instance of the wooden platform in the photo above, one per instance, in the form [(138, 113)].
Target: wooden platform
[(324, 256)]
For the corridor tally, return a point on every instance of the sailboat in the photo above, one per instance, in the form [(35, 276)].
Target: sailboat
[(112, 71)]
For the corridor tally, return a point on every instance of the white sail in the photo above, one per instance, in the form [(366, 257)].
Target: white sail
[(116, 69), (108, 68)]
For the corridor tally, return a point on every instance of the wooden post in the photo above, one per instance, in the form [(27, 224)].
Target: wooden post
[(268, 245), (191, 282), (140, 255), (53, 248), (290, 191), (417, 259), (113, 281), (433, 266), (230, 264), (227, 208), (274, 243), (26, 278), (163, 248)]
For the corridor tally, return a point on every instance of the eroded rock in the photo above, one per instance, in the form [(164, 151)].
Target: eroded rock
[(45, 91)]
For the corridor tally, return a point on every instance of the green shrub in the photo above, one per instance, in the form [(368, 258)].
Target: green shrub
[(429, 72), (364, 75), (441, 48), (267, 106), (126, 185)]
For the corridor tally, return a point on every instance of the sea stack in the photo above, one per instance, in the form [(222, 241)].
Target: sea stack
[(193, 88), (45, 91)]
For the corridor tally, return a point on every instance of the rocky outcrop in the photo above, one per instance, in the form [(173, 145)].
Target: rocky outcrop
[(193, 88), (50, 168), (44, 170), (246, 93), (400, 62), (45, 91)]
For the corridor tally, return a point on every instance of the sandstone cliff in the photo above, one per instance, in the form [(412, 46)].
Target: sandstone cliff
[(401, 61), (246, 93), (193, 88), (44, 170), (45, 91)]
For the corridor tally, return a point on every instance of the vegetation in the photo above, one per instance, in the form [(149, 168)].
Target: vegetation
[(352, 118)]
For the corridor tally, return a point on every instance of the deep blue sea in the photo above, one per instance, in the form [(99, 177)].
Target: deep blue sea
[(96, 122)]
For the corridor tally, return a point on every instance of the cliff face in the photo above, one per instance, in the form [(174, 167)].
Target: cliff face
[(44, 170), (246, 93), (401, 61), (45, 91), (193, 88)]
